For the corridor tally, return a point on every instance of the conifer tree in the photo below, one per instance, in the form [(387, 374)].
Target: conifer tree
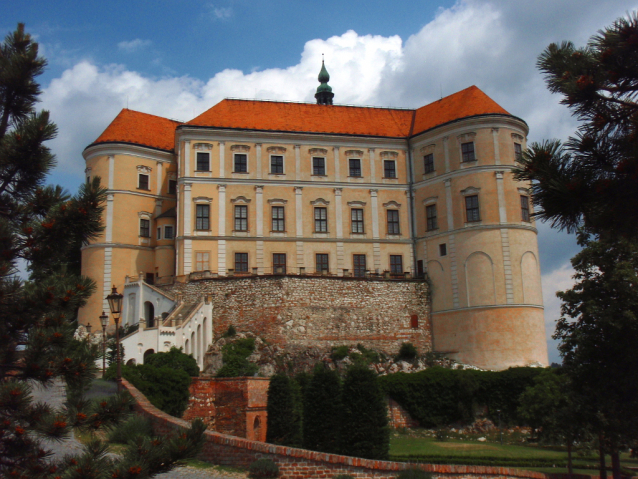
[(45, 226), (364, 420), (322, 411), (591, 180), (284, 422)]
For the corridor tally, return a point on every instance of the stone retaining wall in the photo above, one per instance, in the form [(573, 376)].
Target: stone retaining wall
[(303, 312), (297, 463)]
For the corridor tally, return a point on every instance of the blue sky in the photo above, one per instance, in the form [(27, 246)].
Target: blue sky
[(176, 59)]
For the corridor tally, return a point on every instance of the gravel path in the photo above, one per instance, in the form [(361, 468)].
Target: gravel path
[(54, 395)]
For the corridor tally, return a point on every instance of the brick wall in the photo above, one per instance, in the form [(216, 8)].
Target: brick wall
[(302, 312), (234, 406), (302, 464), (399, 417)]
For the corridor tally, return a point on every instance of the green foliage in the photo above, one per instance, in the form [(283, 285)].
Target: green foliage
[(414, 473), (322, 411), (407, 352), (591, 180), (231, 332), (339, 352), (175, 359), (235, 359), (263, 469), (129, 430), (166, 388), (343, 476), (364, 422), (438, 396), (111, 352), (284, 418)]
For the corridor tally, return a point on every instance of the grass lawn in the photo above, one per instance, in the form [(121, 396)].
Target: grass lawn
[(457, 450)]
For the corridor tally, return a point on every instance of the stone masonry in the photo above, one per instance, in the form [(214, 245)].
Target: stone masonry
[(302, 312)]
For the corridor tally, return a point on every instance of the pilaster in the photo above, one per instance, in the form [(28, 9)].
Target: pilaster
[(298, 211), (222, 160), (258, 154), (187, 158), (446, 153), (297, 162), (373, 176), (337, 168), (497, 152)]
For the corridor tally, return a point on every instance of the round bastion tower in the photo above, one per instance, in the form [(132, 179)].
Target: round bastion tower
[(477, 242)]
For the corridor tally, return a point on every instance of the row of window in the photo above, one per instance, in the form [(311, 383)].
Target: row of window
[(279, 263), (472, 212), (144, 183), (278, 219), (240, 165), (468, 154)]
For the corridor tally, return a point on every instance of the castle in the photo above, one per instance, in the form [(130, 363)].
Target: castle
[(321, 224)]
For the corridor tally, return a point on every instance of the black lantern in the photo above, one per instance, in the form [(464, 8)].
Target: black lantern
[(104, 319), (115, 302)]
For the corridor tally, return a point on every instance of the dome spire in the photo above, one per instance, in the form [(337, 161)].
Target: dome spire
[(324, 93)]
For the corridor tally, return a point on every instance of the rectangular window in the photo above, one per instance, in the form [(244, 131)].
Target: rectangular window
[(359, 263), (241, 218), (321, 263), (241, 163), (430, 215), (159, 233), (241, 262), (356, 216), (389, 169), (203, 161), (145, 228), (443, 249), (319, 166), (525, 208), (201, 261), (278, 220), (467, 151), (202, 217), (393, 222), (143, 183), (518, 151), (396, 264), (472, 208), (279, 263), (277, 164), (168, 232), (355, 167), (321, 220), (172, 187), (428, 163)]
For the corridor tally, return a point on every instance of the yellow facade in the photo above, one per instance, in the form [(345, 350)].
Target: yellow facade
[(249, 202)]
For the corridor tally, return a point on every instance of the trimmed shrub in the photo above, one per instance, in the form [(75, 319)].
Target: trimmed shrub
[(343, 476), (407, 352), (322, 410), (364, 422), (129, 430), (414, 473), (262, 469), (175, 359), (235, 359), (284, 417), (230, 332), (166, 388)]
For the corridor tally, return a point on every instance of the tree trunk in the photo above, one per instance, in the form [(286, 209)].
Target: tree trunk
[(570, 468), (601, 452), (615, 463)]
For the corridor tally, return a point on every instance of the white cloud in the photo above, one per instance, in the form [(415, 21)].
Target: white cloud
[(560, 279), (134, 45), (220, 13)]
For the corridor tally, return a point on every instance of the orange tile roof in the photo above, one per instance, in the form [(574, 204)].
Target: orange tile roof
[(157, 132), (131, 126), (307, 118), (469, 102)]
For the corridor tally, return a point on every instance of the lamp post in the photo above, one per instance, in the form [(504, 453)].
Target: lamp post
[(88, 329), (115, 304), (104, 319)]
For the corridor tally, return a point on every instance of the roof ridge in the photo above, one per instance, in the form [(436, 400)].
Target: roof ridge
[(372, 107), (150, 114)]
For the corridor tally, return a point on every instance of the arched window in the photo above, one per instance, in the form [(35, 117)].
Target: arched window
[(149, 314)]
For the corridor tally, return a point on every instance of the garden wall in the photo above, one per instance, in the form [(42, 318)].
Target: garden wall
[(302, 464)]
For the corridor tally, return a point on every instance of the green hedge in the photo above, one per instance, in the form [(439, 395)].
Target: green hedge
[(484, 461), (438, 396)]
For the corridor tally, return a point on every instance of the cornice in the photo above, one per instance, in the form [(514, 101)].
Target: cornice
[(129, 149), (472, 228), (145, 195), (491, 306), (294, 239), (292, 183), (192, 133), (462, 172)]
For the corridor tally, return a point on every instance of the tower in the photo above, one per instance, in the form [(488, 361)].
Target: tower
[(324, 93)]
